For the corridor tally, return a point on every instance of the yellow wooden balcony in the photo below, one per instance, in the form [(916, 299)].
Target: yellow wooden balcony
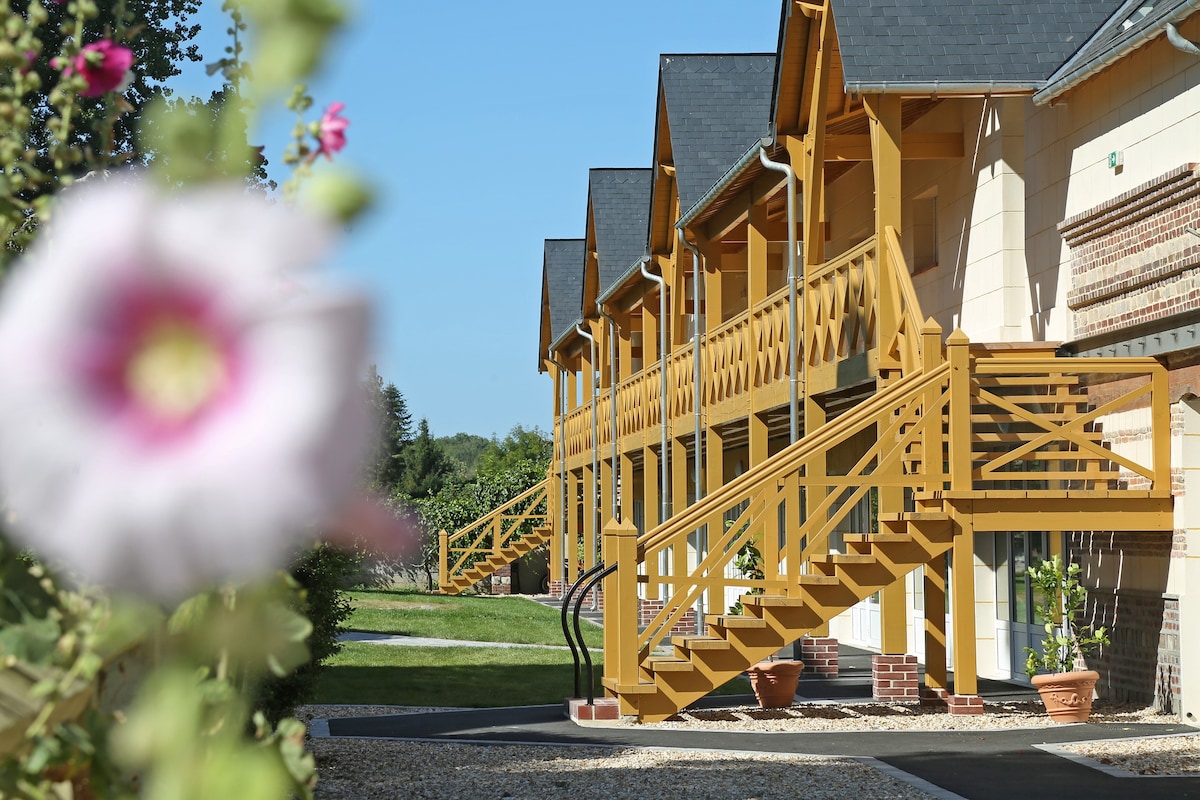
[(745, 359)]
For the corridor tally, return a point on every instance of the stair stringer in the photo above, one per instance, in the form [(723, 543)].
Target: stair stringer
[(701, 664)]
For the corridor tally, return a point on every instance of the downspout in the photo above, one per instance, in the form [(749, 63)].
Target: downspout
[(697, 406), (662, 370), (698, 375), (612, 381), (793, 358), (562, 460), (595, 439)]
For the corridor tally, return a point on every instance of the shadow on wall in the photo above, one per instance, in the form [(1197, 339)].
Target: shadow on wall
[(1126, 576)]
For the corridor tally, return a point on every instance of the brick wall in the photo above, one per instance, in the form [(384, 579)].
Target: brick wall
[(1131, 259), (502, 580), (1141, 663), (648, 610), (820, 655)]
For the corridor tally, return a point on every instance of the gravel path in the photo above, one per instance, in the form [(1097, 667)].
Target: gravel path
[(364, 769)]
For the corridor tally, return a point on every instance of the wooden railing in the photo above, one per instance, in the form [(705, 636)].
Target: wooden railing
[(842, 311), (489, 534), (958, 425)]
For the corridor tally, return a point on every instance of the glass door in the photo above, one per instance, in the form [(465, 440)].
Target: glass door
[(1016, 554)]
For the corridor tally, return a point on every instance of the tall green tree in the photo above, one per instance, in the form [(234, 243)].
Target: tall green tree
[(523, 450), (394, 433), (426, 466)]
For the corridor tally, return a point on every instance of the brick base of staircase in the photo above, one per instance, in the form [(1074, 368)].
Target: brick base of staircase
[(894, 678), (648, 610), (956, 704), (603, 708), (502, 580), (820, 656)]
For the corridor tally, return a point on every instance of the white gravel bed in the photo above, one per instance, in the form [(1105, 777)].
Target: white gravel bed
[(1159, 756), (368, 768)]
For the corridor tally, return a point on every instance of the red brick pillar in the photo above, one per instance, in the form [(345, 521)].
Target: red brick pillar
[(820, 655), (502, 580), (894, 678)]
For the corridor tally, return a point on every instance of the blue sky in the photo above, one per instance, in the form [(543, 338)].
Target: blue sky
[(477, 122)]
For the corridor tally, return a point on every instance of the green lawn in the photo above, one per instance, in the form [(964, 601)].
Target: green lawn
[(462, 677), (470, 618)]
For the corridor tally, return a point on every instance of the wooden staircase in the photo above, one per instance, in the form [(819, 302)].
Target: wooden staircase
[(496, 539), (771, 621), (506, 555), (970, 442)]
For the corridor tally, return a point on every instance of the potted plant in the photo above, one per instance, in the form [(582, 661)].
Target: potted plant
[(774, 682), (1066, 691)]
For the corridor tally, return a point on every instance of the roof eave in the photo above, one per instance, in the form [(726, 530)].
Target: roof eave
[(942, 88), (747, 160), (1057, 85)]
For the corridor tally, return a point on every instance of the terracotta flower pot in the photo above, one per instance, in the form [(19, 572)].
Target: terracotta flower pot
[(1067, 695), (775, 682)]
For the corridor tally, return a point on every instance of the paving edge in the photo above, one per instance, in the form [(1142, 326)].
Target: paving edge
[(1061, 751)]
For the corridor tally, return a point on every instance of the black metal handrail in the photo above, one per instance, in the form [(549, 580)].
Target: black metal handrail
[(584, 584)]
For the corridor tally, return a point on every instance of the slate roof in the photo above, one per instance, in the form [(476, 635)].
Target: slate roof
[(562, 267), (717, 106), (619, 200), (1133, 23), (1016, 43)]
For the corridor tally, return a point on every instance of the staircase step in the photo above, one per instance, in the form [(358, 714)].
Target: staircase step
[(812, 579), (771, 600), (628, 688), (668, 664), (916, 516), (844, 558), (734, 621), (700, 642), (871, 538)]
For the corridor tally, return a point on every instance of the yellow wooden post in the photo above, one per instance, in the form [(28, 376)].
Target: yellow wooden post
[(679, 501), (957, 349), (621, 606), (572, 554), (966, 681), (932, 445), (589, 516), (651, 465), (443, 560), (935, 622)]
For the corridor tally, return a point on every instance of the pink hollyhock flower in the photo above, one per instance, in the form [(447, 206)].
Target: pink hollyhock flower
[(105, 73), (331, 131), (170, 416)]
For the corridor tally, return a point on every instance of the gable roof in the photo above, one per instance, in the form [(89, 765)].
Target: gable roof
[(1133, 24), (1015, 45), (619, 204), (562, 288), (717, 106)]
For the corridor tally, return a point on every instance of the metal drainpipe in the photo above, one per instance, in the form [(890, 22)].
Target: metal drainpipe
[(562, 461), (612, 381), (595, 443), (697, 405), (793, 366), (662, 360)]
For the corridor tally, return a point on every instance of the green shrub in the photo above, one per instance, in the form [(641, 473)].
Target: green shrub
[(320, 574)]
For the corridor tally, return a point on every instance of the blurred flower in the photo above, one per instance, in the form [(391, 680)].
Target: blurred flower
[(171, 416), (106, 70), (331, 131)]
